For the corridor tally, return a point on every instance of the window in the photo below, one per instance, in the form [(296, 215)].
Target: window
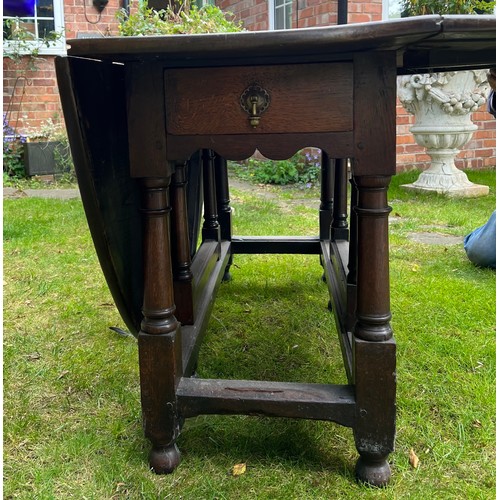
[(46, 17), (391, 9), (280, 14), (203, 3)]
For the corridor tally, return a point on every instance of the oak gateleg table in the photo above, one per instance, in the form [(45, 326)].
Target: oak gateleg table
[(152, 122)]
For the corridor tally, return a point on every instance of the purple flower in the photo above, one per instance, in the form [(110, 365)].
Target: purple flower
[(9, 134), (19, 8)]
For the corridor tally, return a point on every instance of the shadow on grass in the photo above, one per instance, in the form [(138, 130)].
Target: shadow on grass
[(272, 325), (269, 442)]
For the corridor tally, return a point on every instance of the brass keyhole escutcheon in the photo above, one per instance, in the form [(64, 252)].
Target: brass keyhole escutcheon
[(255, 101)]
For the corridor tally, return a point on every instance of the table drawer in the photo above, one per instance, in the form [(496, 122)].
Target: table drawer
[(302, 98)]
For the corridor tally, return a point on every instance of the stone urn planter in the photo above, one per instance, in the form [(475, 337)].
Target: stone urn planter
[(442, 104)]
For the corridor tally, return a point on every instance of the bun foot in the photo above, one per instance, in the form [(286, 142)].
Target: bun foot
[(164, 460), (373, 472)]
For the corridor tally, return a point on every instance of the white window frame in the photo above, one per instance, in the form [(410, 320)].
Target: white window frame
[(385, 9), (272, 13), (204, 3), (56, 48)]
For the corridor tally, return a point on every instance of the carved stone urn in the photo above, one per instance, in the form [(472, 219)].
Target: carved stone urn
[(442, 104)]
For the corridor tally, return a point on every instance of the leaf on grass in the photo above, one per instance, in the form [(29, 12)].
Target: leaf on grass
[(414, 461), (63, 374), (239, 469)]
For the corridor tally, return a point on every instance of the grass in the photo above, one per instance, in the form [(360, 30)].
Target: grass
[(72, 417)]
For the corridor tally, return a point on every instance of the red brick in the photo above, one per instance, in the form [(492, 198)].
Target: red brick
[(40, 100), (359, 18), (308, 12)]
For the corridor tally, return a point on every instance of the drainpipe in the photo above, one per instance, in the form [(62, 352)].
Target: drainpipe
[(126, 7), (342, 11)]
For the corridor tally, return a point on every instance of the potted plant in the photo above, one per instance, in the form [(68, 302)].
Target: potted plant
[(46, 150), (38, 150), (442, 104)]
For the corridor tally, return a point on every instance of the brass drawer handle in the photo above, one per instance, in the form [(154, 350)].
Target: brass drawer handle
[(255, 101)]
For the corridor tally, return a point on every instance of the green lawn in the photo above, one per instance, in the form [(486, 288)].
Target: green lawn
[(72, 417)]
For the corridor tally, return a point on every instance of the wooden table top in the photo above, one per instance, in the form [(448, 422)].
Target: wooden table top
[(430, 43)]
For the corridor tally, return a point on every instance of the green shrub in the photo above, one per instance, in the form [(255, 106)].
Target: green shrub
[(146, 21), (303, 168), (424, 7)]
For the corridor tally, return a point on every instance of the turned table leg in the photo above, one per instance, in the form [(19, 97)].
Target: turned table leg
[(181, 253), (223, 207), (352, 275), (374, 347), (340, 230), (211, 228), (160, 356), (326, 197)]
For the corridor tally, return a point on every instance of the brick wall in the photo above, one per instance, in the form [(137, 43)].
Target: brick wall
[(253, 13), (35, 98), (305, 13), (478, 153), (80, 20), (31, 97)]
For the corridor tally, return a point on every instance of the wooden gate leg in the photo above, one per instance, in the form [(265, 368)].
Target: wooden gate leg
[(326, 197), (340, 229), (210, 229), (374, 346), (223, 207), (181, 254), (160, 355), (352, 266)]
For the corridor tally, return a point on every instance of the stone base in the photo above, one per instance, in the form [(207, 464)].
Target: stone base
[(459, 191)]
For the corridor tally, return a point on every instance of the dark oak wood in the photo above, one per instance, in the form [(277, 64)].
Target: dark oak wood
[(461, 42), (209, 269), (273, 399), (340, 226), (210, 229), (183, 277), (326, 196), (310, 97), (152, 121), (93, 98), (275, 244), (160, 348)]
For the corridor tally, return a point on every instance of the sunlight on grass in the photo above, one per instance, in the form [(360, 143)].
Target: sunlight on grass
[(72, 416)]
